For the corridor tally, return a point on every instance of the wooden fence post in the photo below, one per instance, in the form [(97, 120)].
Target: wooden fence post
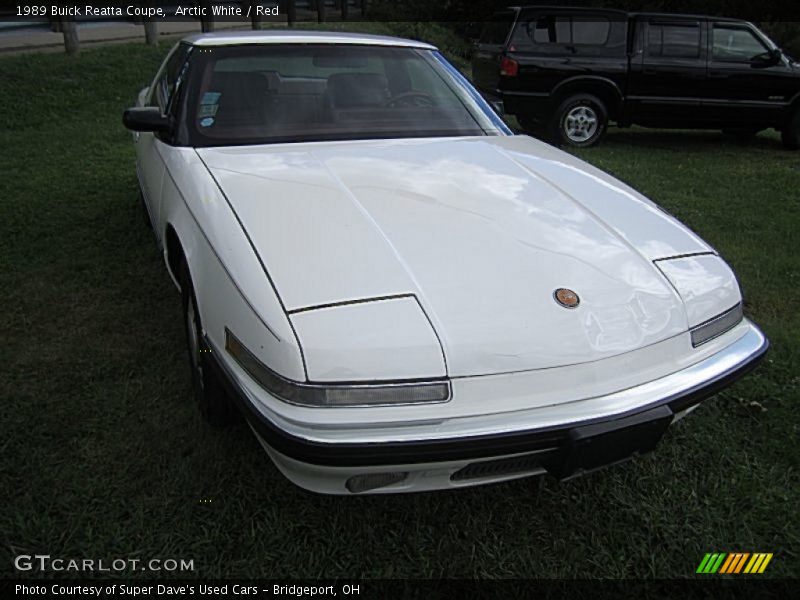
[(345, 9), (207, 22), (291, 12), (151, 31), (71, 41), (320, 11)]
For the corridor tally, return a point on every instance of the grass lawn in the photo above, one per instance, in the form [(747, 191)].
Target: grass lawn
[(104, 455)]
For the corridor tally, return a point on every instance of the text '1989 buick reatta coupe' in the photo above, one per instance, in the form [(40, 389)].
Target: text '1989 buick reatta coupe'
[(400, 294)]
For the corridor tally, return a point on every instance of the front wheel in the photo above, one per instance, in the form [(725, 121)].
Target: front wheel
[(790, 135), (580, 121), (209, 393)]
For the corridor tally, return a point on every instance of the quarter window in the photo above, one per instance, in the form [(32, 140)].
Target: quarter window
[(168, 77), (673, 40), (735, 44), (568, 30)]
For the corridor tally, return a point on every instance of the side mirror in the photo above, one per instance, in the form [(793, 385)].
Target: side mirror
[(497, 106), (767, 59), (145, 118)]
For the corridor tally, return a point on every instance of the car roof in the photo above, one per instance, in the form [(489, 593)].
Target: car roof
[(281, 36)]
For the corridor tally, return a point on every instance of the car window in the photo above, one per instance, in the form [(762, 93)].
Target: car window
[(673, 40), (165, 84), (304, 92), (735, 44)]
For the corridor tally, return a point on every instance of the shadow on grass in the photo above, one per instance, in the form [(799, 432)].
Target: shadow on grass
[(681, 140)]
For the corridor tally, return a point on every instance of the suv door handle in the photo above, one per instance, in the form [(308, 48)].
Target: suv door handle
[(718, 74)]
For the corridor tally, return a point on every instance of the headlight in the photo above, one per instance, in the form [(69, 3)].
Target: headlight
[(336, 394), (707, 285), (717, 325)]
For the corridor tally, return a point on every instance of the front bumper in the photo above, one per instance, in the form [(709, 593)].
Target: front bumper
[(589, 434)]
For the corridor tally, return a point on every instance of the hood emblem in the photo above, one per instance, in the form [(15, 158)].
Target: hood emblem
[(566, 298)]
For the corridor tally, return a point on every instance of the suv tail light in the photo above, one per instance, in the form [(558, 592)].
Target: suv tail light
[(509, 67)]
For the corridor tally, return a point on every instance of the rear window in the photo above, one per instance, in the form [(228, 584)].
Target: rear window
[(496, 31)]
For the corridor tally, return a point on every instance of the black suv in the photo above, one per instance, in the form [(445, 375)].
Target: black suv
[(567, 72)]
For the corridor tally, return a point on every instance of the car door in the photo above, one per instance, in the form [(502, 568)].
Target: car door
[(668, 72), (151, 147), (746, 86)]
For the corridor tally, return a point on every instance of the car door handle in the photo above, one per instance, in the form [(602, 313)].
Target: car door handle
[(718, 74)]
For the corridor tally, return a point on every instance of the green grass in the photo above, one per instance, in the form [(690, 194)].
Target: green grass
[(104, 455)]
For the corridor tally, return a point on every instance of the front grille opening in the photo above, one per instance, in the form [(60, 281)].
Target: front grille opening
[(498, 468)]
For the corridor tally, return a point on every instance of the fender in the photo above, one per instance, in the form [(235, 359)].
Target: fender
[(593, 78), (231, 286)]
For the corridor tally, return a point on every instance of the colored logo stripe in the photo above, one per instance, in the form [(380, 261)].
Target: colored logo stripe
[(734, 563), (711, 563), (758, 563)]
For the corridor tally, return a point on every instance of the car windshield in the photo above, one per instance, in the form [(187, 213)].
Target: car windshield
[(267, 93)]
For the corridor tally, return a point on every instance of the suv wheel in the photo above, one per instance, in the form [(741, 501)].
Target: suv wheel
[(580, 121), (213, 402), (790, 136)]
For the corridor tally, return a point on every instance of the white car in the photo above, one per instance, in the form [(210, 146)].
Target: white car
[(399, 293)]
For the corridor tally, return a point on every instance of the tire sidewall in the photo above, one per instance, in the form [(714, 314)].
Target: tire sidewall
[(560, 134), (207, 390)]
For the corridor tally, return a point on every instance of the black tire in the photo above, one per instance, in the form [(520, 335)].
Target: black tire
[(214, 404), (579, 121), (790, 135), (145, 214)]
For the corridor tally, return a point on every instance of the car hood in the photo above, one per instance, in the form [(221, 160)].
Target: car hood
[(482, 231)]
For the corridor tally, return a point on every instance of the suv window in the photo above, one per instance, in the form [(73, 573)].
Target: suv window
[(569, 30), (673, 40), (735, 44)]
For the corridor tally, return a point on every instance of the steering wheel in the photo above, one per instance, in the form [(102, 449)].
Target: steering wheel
[(412, 98)]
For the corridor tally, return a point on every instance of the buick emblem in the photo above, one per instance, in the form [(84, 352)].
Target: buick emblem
[(566, 298)]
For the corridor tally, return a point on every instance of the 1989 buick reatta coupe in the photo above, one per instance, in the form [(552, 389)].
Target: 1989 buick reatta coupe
[(397, 292)]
